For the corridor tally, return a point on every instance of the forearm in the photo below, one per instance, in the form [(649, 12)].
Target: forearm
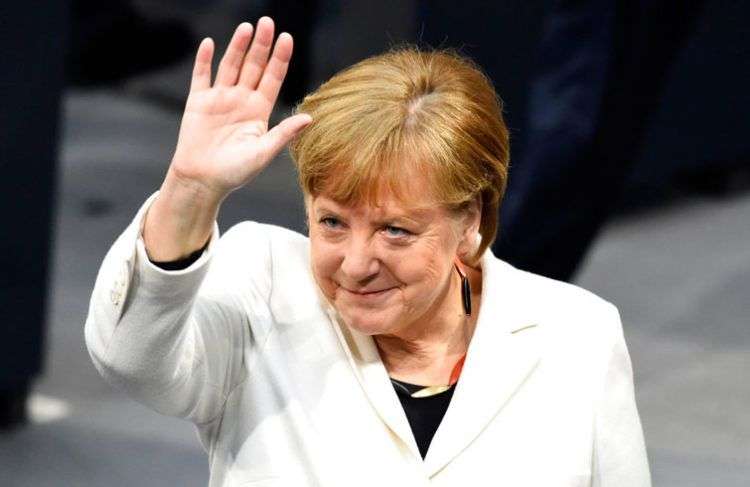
[(181, 219), (142, 330), (153, 347)]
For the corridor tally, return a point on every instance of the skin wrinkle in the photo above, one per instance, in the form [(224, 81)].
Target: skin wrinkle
[(400, 128), (418, 323)]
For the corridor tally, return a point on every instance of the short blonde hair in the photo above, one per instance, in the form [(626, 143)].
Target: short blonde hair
[(402, 113)]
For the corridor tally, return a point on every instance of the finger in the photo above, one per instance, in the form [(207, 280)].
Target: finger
[(276, 138), (273, 76), (201, 78), (231, 63), (257, 56)]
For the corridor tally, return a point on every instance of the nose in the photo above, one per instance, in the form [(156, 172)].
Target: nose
[(360, 263)]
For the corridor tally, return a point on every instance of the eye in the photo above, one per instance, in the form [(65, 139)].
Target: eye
[(330, 222), (392, 231)]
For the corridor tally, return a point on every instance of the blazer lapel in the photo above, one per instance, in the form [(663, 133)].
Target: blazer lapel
[(503, 352), (373, 377)]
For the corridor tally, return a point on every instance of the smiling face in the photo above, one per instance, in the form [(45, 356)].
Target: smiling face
[(388, 268)]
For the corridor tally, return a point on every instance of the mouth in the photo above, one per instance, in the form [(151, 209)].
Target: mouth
[(367, 294)]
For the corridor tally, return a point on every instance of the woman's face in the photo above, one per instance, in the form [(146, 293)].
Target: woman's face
[(387, 268)]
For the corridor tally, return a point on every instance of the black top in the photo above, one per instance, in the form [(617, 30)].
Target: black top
[(178, 265), (424, 414)]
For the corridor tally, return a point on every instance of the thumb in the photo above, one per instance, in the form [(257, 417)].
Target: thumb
[(275, 139)]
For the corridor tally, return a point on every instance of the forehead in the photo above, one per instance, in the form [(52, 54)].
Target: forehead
[(411, 193), (389, 206), (352, 179)]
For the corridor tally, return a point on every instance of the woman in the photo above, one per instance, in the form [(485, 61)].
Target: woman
[(389, 348)]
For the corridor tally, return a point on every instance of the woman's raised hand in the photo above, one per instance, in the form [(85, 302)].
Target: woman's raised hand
[(224, 139)]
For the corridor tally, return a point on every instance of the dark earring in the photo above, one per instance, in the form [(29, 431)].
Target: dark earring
[(465, 291)]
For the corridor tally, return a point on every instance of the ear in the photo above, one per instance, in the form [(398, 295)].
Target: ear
[(469, 230)]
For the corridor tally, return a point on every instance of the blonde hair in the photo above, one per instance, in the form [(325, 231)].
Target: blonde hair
[(403, 113)]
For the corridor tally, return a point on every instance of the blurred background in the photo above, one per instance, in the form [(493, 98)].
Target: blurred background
[(630, 177)]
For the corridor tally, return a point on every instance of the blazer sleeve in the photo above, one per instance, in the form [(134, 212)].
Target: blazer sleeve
[(619, 454), (177, 341)]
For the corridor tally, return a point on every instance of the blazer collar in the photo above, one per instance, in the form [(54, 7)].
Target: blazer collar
[(373, 377), (504, 350)]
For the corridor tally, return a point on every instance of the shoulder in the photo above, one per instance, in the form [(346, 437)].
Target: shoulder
[(565, 310), (562, 298), (254, 241), (252, 253), (249, 232), (272, 262), (576, 329)]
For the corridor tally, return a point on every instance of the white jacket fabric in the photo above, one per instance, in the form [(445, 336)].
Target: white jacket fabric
[(282, 394)]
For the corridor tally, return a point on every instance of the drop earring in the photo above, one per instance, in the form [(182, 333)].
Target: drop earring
[(465, 291)]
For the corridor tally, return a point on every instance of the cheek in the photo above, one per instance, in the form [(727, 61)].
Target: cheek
[(424, 269), (324, 261)]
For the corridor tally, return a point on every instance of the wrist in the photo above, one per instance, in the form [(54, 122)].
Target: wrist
[(180, 220), (191, 192)]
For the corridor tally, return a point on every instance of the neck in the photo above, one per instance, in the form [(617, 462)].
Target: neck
[(425, 353)]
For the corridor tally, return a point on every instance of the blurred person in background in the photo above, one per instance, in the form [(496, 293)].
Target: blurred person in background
[(601, 71), (81, 43), (578, 110), (31, 83), (331, 360)]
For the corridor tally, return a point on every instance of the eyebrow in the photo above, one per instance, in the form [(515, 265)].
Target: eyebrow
[(410, 214)]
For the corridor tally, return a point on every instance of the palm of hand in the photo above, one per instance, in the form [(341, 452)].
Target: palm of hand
[(224, 139), (221, 131)]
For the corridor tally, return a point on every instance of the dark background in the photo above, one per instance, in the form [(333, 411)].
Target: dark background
[(674, 255)]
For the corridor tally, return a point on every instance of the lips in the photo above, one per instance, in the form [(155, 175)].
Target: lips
[(367, 294)]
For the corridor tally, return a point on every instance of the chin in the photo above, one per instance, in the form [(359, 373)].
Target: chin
[(369, 325)]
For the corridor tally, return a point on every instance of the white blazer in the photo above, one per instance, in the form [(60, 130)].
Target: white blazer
[(282, 394)]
